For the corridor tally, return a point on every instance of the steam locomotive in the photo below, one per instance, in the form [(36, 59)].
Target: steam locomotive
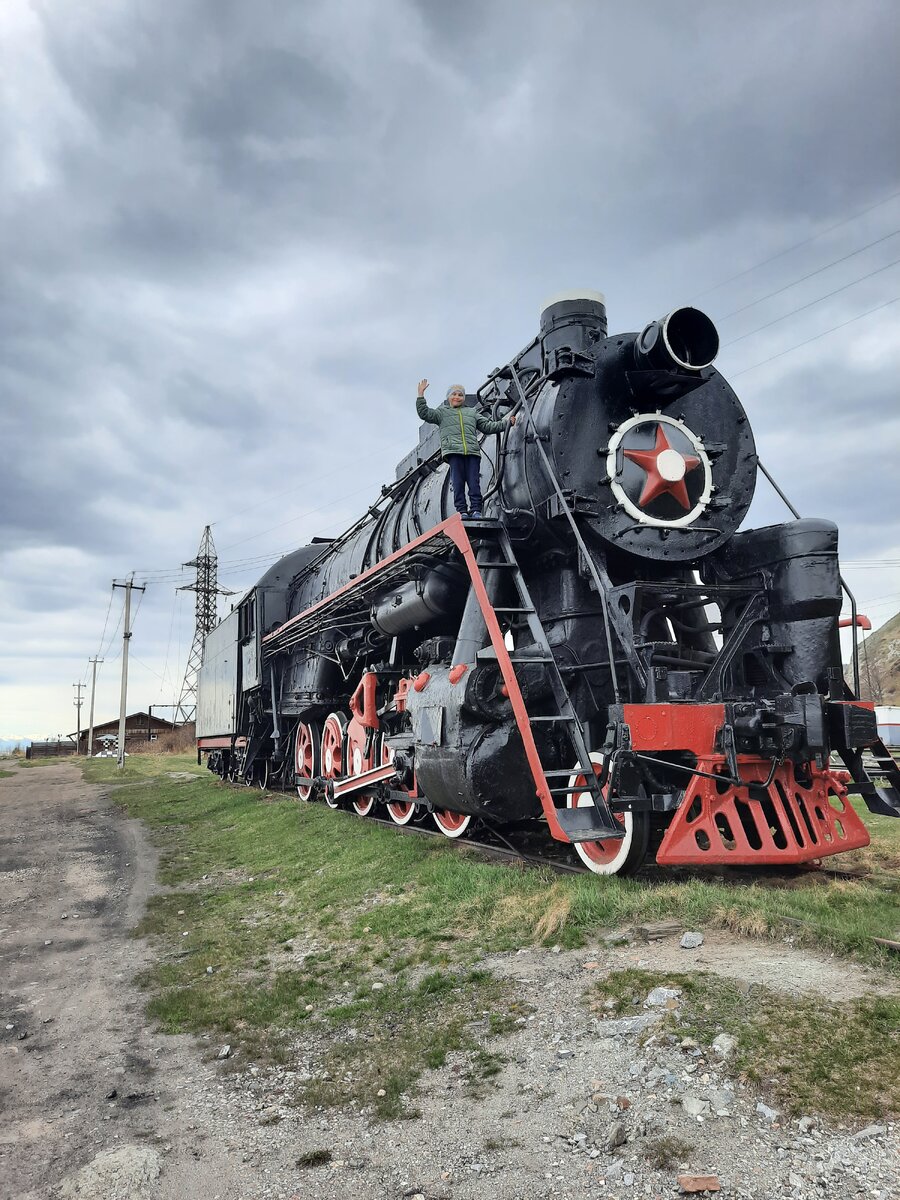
[(603, 654)]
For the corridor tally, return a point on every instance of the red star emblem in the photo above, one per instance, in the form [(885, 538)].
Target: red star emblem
[(666, 468)]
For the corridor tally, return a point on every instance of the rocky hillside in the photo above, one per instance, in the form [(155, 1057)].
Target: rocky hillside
[(880, 675)]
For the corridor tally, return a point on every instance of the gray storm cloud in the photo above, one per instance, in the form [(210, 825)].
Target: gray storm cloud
[(233, 238)]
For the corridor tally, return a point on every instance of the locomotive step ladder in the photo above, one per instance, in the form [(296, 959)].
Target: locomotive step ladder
[(595, 823)]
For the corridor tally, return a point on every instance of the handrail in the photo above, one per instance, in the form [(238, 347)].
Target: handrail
[(576, 532)]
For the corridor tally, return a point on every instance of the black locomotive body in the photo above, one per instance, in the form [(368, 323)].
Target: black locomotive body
[(603, 653)]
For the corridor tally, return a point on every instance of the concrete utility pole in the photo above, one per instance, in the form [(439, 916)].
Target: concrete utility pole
[(129, 586), (93, 661), (78, 703)]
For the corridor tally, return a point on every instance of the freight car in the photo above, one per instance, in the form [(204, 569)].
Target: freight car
[(604, 654)]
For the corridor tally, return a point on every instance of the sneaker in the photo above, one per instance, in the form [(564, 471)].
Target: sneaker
[(475, 516)]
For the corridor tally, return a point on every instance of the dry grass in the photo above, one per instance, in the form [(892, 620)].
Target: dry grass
[(539, 914), (555, 915), (743, 921), (179, 741)]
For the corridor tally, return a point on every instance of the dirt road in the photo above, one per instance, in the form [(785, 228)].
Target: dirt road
[(80, 1071)]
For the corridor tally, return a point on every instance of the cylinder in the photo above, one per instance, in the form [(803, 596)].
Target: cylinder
[(438, 594)]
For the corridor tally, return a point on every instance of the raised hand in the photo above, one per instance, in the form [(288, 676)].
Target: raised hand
[(423, 384)]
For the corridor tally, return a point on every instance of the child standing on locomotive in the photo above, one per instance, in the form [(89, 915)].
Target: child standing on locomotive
[(459, 428)]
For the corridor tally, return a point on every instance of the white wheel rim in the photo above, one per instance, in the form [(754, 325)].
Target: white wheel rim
[(455, 832), (304, 791), (583, 800), (395, 807), (334, 722)]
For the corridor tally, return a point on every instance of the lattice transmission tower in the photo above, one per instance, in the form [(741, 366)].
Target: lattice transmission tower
[(207, 590)]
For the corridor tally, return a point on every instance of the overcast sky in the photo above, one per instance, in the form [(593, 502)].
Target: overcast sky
[(233, 236)]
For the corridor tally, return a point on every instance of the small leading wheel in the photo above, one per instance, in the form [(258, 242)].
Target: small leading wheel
[(306, 756), (616, 857), (401, 812), (451, 824), (333, 750)]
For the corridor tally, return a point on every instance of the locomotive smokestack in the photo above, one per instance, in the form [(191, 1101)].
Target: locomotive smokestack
[(574, 308), (571, 325), (685, 340)]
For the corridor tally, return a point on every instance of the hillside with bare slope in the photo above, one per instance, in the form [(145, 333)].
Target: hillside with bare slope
[(879, 663)]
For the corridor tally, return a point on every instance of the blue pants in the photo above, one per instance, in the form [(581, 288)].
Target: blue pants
[(465, 471)]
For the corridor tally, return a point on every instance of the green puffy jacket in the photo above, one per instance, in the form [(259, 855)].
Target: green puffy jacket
[(459, 426)]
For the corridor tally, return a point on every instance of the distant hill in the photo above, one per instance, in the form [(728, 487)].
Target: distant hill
[(7, 745), (879, 663)]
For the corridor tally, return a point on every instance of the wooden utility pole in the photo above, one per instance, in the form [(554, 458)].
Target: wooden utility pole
[(129, 586), (93, 661), (78, 703)]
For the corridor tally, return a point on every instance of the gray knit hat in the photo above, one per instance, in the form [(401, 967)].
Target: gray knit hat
[(455, 387)]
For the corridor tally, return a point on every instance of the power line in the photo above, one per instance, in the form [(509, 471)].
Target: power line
[(164, 575), (824, 333), (112, 592), (286, 492), (818, 300), (803, 278), (147, 667), (347, 495), (112, 637), (796, 246), (175, 598), (97, 656)]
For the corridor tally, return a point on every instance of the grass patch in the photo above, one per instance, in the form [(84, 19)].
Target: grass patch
[(50, 761), (391, 1038), (6, 774), (666, 1152), (314, 1158), (883, 854), (805, 1053), (299, 910)]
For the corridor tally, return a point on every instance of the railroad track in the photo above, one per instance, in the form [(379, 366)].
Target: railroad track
[(527, 847)]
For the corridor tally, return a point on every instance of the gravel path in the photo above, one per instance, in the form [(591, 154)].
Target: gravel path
[(575, 1111)]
